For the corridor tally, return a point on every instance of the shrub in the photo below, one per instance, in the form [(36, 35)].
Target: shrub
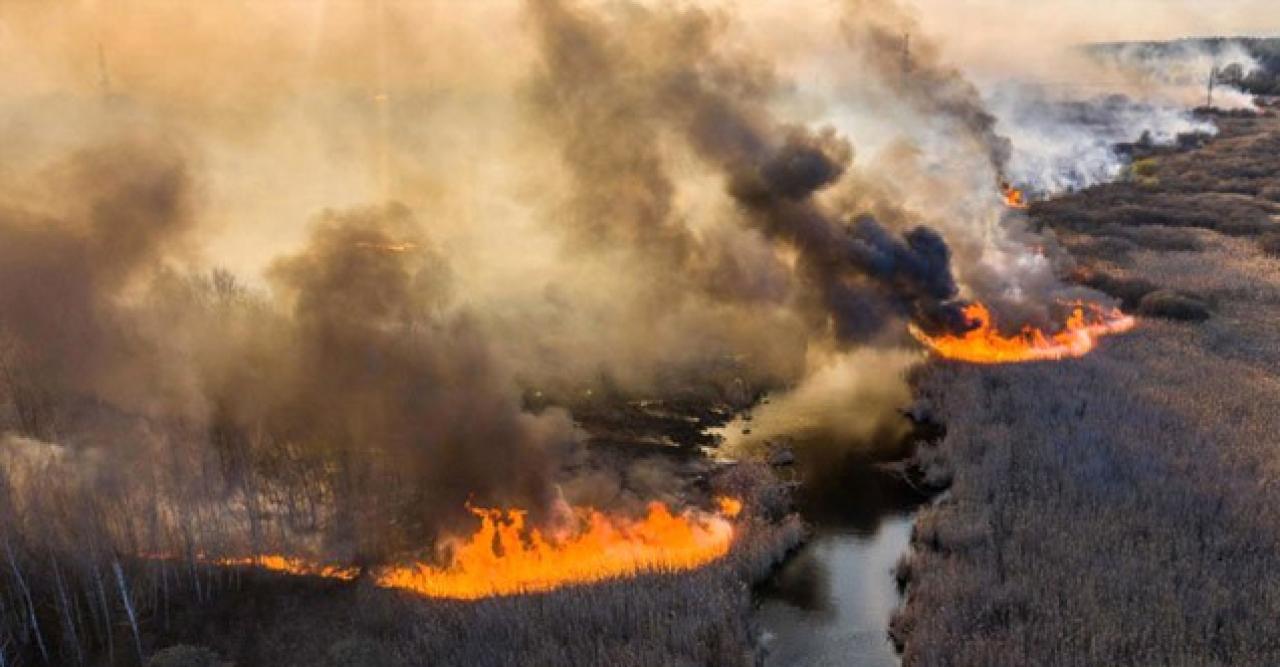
[(356, 652), (1270, 243), (1144, 168), (184, 655), (1173, 305)]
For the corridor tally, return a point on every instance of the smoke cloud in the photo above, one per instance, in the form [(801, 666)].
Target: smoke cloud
[(856, 275), (880, 33), (204, 279)]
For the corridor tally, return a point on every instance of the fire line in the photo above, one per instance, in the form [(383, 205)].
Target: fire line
[(507, 557), (984, 344)]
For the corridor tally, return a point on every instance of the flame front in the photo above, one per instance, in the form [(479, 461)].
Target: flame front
[(506, 557), (298, 566), (1013, 197), (984, 344)]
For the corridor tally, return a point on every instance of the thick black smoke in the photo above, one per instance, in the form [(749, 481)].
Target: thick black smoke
[(854, 274), (354, 412), (403, 389), (118, 208)]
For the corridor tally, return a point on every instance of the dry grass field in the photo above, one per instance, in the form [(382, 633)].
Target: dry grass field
[(1124, 508)]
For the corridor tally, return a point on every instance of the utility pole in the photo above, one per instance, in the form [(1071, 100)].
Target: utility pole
[(906, 53), (104, 81), (1213, 76)]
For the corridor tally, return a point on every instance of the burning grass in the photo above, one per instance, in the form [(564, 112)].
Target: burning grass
[(985, 344), (505, 556), (1120, 510), (1013, 197), (666, 587)]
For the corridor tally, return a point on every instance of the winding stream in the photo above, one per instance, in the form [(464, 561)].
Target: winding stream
[(831, 602)]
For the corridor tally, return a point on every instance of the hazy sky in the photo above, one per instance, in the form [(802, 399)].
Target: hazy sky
[(1109, 19)]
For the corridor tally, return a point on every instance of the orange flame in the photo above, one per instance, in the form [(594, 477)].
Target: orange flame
[(730, 507), (1013, 197), (296, 566), (504, 557), (984, 344)]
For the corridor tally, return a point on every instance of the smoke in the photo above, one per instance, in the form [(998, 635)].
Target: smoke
[(850, 276), (846, 400), (357, 370), (889, 42), (381, 370), (1179, 71), (111, 211), (1063, 143), (203, 280)]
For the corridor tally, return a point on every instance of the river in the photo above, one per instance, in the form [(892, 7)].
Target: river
[(831, 602)]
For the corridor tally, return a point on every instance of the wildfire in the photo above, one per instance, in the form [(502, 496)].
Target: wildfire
[(297, 566), (1013, 197), (730, 507), (506, 557), (984, 344)]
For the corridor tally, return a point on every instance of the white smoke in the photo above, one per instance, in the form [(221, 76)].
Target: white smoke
[(1179, 71), (1062, 142)]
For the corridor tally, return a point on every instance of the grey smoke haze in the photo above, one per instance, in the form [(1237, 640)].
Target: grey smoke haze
[(1064, 143), (619, 195), (889, 41), (388, 405), (124, 204), (1178, 71)]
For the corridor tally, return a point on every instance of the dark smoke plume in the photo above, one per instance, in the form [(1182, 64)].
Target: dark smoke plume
[(61, 275), (892, 45), (357, 412), (405, 390), (856, 275)]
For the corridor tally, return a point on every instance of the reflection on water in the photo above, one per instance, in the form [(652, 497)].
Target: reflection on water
[(830, 604)]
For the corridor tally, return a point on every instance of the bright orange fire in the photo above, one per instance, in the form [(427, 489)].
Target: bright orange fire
[(730, 507), (504, 557), (1013, 197), (984, 344), (296, 566)]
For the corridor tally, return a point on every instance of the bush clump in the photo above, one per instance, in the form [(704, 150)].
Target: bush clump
[(1173, 305), (1144, 168), (1270, 243), (184, 655), (363, 653)]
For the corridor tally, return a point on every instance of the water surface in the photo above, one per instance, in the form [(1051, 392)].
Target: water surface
[(831, 602)]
